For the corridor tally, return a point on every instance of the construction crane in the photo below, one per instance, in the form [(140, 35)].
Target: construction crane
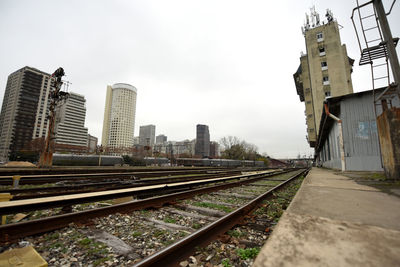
[(56, 97)]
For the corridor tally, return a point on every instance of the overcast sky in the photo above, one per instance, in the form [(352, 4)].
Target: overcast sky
[(226, 64)]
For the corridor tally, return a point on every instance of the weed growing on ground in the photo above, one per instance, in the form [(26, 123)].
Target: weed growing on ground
[(248, 253), (136, 233), (226, 263), (212, 206), (169, 220)]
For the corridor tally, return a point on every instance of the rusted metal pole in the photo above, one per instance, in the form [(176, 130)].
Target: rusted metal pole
[(391, 49), (46, 158)]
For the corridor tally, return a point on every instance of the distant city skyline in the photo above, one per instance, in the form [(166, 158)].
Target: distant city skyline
[(234, 75)]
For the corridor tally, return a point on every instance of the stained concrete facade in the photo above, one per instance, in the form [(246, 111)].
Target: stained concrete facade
[(324, 71)]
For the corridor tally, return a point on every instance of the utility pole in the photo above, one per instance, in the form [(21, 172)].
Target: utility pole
[(56, 96)]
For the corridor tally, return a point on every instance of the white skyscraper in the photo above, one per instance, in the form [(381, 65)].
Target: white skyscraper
[(71, 116), (119, 115)]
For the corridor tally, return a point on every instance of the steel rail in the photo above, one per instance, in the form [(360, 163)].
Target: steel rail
[(13, 207), (171, 255), (92, 169), (12, 232), (37, 179), (39, 192)]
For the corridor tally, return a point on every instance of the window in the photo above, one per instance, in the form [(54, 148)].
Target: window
[(321, 51), (325, 80), (324, 65), (327, 93), (320, 37)]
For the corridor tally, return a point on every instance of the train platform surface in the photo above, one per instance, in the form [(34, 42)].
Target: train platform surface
[(334, 221)]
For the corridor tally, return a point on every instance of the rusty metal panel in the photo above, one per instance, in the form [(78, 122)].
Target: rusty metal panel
[(389, 130)]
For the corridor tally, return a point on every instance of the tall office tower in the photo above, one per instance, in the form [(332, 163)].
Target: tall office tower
[(161, 139), (324, 71), (147, 135), (70, 127), (202, 147), (119, 116), (24, 110)]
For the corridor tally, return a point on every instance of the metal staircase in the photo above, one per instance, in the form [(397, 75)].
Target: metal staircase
[(374, 50)]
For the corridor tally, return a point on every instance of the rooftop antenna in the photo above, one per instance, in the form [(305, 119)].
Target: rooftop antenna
[(329, 15), (312, 12)]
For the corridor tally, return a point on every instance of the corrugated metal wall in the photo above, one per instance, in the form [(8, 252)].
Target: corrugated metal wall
[(360, 135)]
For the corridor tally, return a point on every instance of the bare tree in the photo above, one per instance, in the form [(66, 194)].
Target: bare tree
[(234, 148)]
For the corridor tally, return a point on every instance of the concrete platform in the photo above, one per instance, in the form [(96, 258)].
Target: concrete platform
[(333, 221)]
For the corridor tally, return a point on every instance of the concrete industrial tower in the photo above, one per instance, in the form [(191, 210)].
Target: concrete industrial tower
[(324, 71), (24, 110), (119, 116)]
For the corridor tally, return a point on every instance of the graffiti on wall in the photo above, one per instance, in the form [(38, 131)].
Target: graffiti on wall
[(366, 129)]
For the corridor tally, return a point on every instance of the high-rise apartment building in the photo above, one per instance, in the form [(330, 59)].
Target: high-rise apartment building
[(24, 110), (324, 71), (147, 135), (161, 139), (202, 147), (119, 116), (70, 126)]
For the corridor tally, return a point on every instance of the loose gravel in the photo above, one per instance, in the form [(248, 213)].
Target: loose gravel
[(142, 233)]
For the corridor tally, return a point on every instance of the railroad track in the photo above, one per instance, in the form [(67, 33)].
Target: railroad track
[(210, 221), (109, 183), (78, 177)]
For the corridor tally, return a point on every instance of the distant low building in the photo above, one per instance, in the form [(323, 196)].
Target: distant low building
[(276, 163), (92, 143), (214, 149), (160, 139), (147, 135), (136, 140)]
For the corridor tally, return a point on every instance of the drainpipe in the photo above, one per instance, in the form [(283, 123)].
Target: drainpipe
[(341, 143)]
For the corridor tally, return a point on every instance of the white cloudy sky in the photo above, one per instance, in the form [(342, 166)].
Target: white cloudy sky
[(227, 64)]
